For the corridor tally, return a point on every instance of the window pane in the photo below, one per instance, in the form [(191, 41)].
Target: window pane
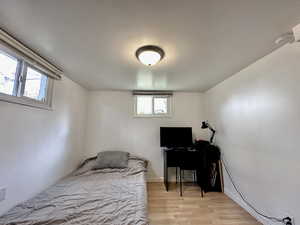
[(160, 105), (144, 105), (8, 69), (35, 85)]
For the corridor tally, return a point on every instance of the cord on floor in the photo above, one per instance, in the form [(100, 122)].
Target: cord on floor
[(286, 220)]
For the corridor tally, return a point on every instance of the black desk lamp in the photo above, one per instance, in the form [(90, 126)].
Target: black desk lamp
[(205, 125)]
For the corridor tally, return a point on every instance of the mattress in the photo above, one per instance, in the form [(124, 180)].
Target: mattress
[(86, 197)]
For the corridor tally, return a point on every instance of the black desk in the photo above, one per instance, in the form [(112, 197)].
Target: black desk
[(200, 160)]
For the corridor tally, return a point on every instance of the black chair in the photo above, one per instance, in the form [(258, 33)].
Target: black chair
[(190, 162)]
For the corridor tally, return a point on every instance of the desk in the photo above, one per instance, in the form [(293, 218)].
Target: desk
[(200, 160)]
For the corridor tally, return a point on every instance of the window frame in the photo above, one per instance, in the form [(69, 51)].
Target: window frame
[(19, 85), (169, 113)]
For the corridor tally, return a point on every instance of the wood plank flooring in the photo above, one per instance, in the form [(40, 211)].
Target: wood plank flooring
[(168, 208)]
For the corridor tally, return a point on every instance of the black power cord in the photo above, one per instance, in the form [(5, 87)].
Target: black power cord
[(286, 220)]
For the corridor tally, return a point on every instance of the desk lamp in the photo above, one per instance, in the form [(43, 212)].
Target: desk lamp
[(205, 125)]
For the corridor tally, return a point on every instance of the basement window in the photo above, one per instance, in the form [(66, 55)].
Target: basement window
[(152, 106), (23, 83)]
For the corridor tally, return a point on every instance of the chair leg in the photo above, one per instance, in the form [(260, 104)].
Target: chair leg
[(176, 175), (180, 180)]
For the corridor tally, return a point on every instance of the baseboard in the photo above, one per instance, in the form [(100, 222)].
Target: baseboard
[(171, 179), (155, 179), (240, 202)]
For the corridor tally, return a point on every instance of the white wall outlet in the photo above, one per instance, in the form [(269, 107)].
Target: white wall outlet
[(289, 220), (2, 194)]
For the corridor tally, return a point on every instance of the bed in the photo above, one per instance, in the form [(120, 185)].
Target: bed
[(89, 197)]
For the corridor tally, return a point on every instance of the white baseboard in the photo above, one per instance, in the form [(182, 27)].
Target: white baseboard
[(188, 178), (155, 179), (240, 202)]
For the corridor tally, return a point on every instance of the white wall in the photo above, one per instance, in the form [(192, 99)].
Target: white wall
[(111, 125), (256, 114), (257, 117), (38, 147)]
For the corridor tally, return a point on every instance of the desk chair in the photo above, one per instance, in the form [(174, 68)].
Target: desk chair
[(190, 162)]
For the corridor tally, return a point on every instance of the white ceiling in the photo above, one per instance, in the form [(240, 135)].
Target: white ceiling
[(205, 41)]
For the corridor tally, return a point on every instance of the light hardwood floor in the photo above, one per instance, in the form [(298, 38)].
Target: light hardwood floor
[(168, 208)]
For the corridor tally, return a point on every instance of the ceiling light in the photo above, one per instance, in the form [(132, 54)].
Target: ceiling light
[(149, 55)]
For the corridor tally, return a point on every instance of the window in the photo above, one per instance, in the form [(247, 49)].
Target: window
[(152, 106), (23, 83), (144, 105), (35, 85), (8, 72), (160, 105)]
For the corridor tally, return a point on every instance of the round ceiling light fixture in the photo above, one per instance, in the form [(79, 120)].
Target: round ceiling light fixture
[(149, 55)]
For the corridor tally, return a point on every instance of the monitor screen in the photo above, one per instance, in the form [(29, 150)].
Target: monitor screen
[(176, 137)]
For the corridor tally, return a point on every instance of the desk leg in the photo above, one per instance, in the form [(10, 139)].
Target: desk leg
[(221, 175), (166, 180)]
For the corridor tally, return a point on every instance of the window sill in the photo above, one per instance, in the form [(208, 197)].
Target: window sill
[(153, 116), (24, 101)]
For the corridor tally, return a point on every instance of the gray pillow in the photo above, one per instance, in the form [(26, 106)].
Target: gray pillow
[(111, 159)]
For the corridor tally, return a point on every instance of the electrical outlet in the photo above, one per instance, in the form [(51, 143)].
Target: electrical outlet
[(2, 194), (288, 221)]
